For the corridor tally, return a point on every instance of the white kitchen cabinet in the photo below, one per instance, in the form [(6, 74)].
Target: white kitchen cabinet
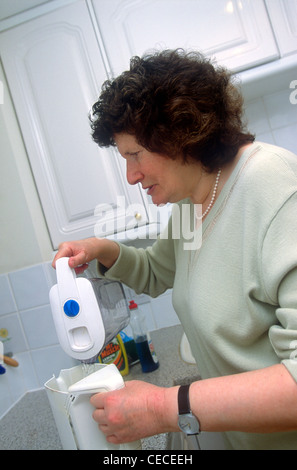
[(13, 7), (236, 32), (56, 57), (54, 69), (283, 16)]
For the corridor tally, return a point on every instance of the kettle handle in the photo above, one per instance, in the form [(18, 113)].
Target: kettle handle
[(66, 280)]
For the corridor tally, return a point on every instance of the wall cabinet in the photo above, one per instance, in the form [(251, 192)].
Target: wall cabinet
[(237, 33), (57, 56), (54, 68), (283, 16)]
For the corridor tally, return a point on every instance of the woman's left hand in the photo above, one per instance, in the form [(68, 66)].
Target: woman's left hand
[(136, 411)]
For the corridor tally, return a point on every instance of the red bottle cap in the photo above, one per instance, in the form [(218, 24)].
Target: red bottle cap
[(132, 305)]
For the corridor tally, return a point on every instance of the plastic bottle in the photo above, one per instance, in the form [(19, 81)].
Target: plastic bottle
[(115, 353), (144, 345), (130, 347)]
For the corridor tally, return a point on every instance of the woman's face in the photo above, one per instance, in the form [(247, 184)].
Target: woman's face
[(164, 179)]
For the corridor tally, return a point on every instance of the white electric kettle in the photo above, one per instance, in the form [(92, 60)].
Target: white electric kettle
[(69, 396)]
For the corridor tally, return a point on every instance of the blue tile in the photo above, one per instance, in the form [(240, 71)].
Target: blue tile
[(30, 287), (7, 304), (39, 327)]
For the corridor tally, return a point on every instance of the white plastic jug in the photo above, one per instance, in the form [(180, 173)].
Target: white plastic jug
[(69, 396), (87, 313)]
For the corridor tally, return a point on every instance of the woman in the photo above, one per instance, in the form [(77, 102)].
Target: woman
[(177, 120)]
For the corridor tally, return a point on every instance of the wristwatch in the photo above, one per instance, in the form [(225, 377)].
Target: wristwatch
[(187, 422)]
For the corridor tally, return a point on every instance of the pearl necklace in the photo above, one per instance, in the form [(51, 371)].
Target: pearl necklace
[(213, 196)]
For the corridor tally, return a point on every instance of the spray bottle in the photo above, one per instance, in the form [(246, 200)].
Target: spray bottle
[(144, 344)]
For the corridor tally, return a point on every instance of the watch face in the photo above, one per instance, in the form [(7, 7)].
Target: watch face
[(188, 424)]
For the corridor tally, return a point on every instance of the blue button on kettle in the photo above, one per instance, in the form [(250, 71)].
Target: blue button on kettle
[(71, 308)]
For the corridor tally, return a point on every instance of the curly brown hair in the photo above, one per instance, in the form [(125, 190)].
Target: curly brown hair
[(176, 104)]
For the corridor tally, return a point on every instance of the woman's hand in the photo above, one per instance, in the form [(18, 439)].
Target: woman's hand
[(136, 411), (81, 252), (250, 401)]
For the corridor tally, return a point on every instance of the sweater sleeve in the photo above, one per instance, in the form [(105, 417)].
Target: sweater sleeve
[(150, 271), (280, 278)]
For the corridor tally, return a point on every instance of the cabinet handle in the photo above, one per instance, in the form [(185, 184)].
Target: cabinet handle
[(137, 216)]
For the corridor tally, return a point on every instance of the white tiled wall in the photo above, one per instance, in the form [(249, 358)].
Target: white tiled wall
[(26, 315), (24, 306), (274, 119)]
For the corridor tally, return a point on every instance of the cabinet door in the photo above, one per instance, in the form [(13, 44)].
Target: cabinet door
[(283, 15), (55, 69), (235, 32)]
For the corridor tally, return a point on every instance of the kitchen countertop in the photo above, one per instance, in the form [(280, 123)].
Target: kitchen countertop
[(30, 425)]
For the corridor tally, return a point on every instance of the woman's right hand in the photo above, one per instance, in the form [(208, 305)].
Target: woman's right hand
[(81, 252)]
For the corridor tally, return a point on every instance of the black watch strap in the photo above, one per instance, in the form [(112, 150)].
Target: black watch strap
[(183, 400)]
